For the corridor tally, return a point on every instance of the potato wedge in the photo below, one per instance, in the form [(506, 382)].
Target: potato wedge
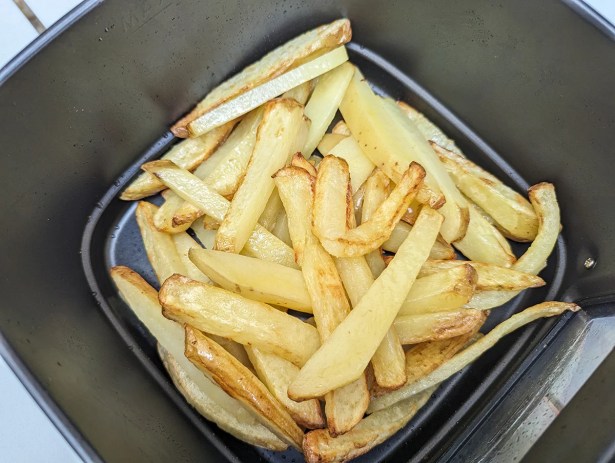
[(324, 102), (257, 96), (203, 394), (440, 250), (360, 166), (261, 242), (446, 290), (255, 279), (159, 247), (328, 141), (359, 335), (490, 277), (320, 446), (240, 383), (276, 135), (247, 322), (183, 244), (434, 326), (278, 61), (163, 219), (471, 353), (277, 373)]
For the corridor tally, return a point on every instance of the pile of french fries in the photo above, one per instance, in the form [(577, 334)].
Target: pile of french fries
[(315, 287)]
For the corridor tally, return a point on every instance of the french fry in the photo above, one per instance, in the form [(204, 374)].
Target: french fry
[(299, 161), (390, 140), (471, 353), (447, 289), (240, 383), (413, 329), (512, 213), (275, 63), (328, 141), (359, 335), (277, 373), (360, 166), (300, 93), (183, 244), (324, 102), (272, 211), (276, 135), (247, 322), (234, 348), (336, 237), (440, 250), (255, 279), (341, 128), (376, 191), (163, 219), (204, 395), (490, 277), (159, 246), (281, 230), (320, 446), (206, 237), (261, 242)]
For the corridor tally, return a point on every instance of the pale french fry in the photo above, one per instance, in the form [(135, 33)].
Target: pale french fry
[(336, 237), (490, 277), (163, 219), (319, 446), (241, 384), (440, 250), (324, 102), (484, 243), (183, 244), (247, 322), (328, 141), (390, 140), (234, 348), (543, 199), (203, 394), (413, 329), (277, 373), (187, 154), (341, 128), (471, 353), (376, 191), (281, 124), (359, 335), (281, 230), (300, 93), (512, 213), (261, 242), (360, 166), (206, 237), (262, 94), (159, 247), (299, 161), (272, 211), (445, 290), (273, 64), (255, 279)]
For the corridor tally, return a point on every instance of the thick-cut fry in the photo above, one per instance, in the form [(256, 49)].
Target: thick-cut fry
[(413, 329), (341, 128), (206, 237), (276, 135), (277, 373), (159, 246), (359, 335), (512, 213), (376, 191), (299, 161), (323, 103), (471, 353), (445, 290), (261, 242), (300, 93), (240, 383), (272, 211), (360, 166), (204, 395), (163, 219), (262, 94), (184, 243), (255, 279), (328, 141), (336, 237), (320, 446), (440, 250), (281, 230), (390, 140), (490, 277), (218, 311)]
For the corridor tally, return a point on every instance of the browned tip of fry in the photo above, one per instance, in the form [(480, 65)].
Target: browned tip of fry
[(153, 166), (292, 171), (299, 161), (180, 130), (540, 186)]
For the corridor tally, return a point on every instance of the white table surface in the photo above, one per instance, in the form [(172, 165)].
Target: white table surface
[(26, 434)]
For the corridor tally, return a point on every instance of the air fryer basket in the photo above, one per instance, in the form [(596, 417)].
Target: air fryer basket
[(523, 87)]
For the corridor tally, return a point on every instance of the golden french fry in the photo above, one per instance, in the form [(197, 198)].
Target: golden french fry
[(324, 102), (490, 277), (328, 141), (276, 135), (299, 161), (300, 93), (319, 446), (163, 219), (247, 322), (376, 191), (341, 128), (204, 395), (281, 230), (183, 244), (272, 211), (240, 383), (360, 166), (359, 335), (261, 242), (255, 279), (159, 247), (447, 289), (271, 65), (440, 250), (471, 353), (234, 348), (413, 329)]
